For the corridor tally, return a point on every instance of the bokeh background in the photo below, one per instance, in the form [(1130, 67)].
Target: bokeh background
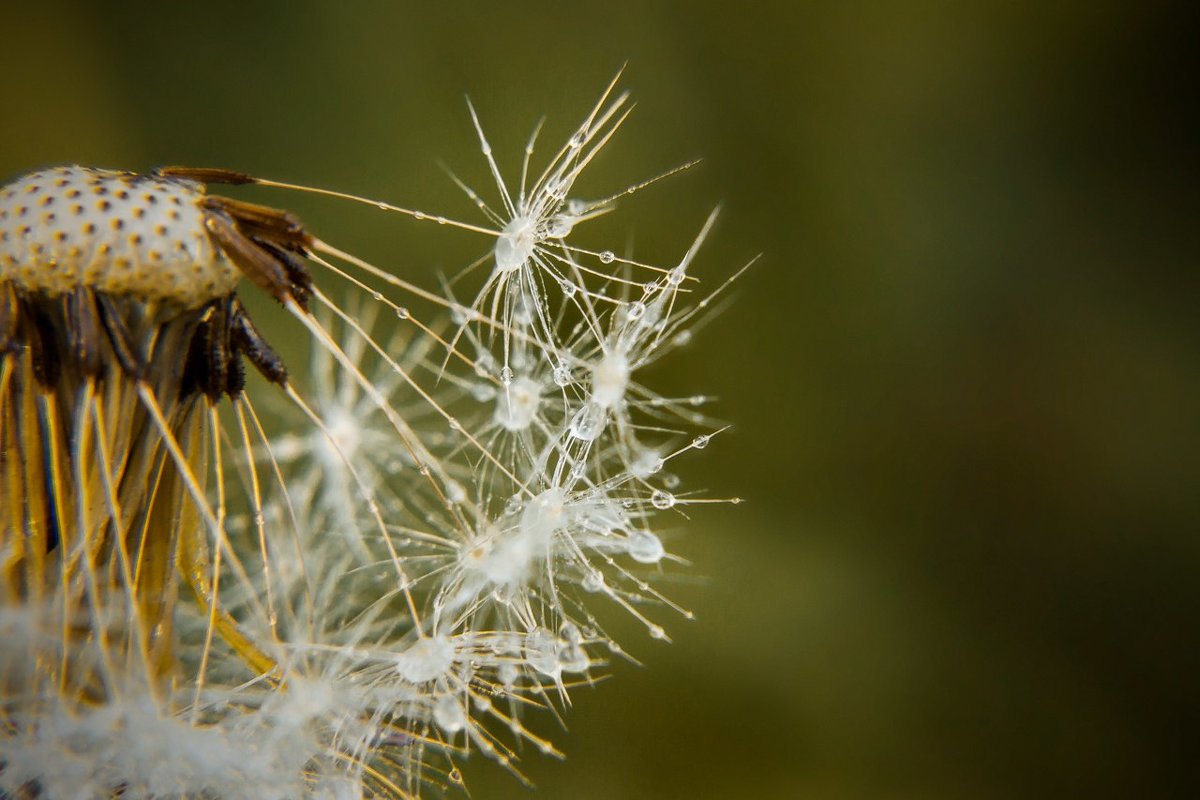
[(965, 374)]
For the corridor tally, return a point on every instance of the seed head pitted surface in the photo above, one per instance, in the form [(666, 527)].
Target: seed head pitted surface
[(117, 232)]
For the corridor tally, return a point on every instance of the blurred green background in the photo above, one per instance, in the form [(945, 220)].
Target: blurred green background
[(964, 376)]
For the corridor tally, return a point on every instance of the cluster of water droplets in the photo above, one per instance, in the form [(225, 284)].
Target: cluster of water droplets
[(477, 496)]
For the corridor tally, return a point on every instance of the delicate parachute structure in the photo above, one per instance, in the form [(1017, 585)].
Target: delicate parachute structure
[(343, 579)]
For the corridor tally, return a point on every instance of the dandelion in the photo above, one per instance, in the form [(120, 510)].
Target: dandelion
[(341, 583)]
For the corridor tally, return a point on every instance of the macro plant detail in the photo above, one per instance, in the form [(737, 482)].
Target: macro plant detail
[(344, 578)]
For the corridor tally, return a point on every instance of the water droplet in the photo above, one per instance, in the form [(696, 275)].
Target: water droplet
[(577, 140), (572, 657), (646, 463), (635, 310), (562, 375), (449, 715), (593, 581), (645, 548), (419, 215), (560, 226), (401, 312), (701, 441), (509, 255), (541, 652), (657, 632), (662, 500), (607, 256), (377, 295), (569, 632), (484, 365), (507, 673), (676, 276), (506, 375), (568, 289), (588, 422)]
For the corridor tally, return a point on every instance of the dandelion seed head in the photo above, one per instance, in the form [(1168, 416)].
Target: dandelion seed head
[(610, 378), (393, 569), (517, 404), (516, 244), (342, 441)]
